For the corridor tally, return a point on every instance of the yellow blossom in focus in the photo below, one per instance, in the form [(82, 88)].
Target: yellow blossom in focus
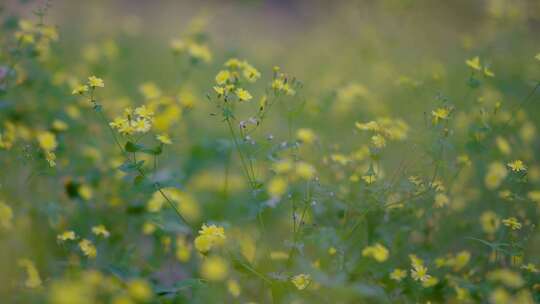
[(440, 114), (301, 281), (243, 95), (47, 140), (419, 273), (94, 82), (219, 90), (209, 237), (517, 166), (222, 77), (512, 222)]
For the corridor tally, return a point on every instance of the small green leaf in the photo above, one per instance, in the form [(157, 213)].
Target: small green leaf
[(129, 166), (153, 151), (131, 147)]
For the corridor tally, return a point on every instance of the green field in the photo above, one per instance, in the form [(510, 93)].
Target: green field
[(269, 151)]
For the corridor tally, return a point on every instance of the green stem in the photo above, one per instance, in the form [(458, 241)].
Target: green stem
[(242, 159)]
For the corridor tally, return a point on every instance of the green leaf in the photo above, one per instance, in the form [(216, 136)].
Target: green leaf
[(131, 147), (129, 166), (153, 151)]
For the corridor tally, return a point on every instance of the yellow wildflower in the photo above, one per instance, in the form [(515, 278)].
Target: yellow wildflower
[(101, 230), (517, 166), (377, 251), (88, 248), (530, 267), (164, 139), (301, 281), (512, 222), (68, 235), (474, 63), (243, 95), (94, 82), (440, 114), (222, 77), (419, 273), (209, 237), (80, 89), (398, 274)]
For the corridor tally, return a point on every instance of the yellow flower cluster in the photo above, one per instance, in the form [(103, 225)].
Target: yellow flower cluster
[(210, 236), (39, 35), (133, 121), (229, 79)]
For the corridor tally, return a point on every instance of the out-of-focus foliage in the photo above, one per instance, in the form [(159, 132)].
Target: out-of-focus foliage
[(269, 152)]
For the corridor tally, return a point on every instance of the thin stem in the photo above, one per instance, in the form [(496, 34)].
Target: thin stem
[(242, 159)]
